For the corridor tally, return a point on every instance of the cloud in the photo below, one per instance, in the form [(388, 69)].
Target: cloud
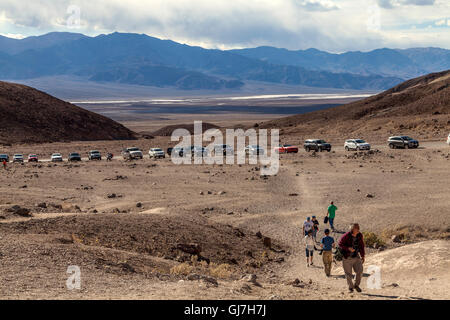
[(13, 35), (389, 4), (315, 5), (330, 25)]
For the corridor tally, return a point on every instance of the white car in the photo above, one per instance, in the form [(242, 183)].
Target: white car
[(254, 150), (132, 153), (156, 153), (356, 144), (57, 157), (18, 158), (448, 139)]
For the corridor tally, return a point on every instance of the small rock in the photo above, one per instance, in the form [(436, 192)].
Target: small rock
[(139, 205), (267, 242), (193, 277), (210, 281)]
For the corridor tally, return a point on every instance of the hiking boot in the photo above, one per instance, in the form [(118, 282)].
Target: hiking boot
[(358, 289), (350, 290)]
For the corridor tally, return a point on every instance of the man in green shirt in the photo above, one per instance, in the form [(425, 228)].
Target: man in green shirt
[(331, 214)]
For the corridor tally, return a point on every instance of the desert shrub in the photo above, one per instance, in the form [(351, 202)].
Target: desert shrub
[(372, 240), (221, 271), (182, 269)]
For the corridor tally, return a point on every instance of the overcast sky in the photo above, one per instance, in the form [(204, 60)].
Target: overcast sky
[(331, 25)]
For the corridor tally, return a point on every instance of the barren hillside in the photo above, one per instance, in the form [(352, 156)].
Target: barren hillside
[(420, 106), (29, 115)]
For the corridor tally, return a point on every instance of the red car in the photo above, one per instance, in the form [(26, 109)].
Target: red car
[(286, 148), (33, 158)]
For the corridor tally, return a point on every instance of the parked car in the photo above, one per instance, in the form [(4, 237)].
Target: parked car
[(254, 150), (356, 144), (156, 153), (199, 151), (18, 158), (286, 148), (448, 139), (33, 158), (4, 157), (177, 151), (94, 155), (223, 149), (74, 156), (56, 157), (402, 142), (132, 153), (317, 145)]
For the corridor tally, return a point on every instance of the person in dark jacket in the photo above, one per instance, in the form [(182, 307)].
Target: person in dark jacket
[(352, 247)]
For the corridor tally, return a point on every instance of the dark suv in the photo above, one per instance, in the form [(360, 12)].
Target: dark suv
[(317, 145), (4, 157), (402, 142), (74, 156)]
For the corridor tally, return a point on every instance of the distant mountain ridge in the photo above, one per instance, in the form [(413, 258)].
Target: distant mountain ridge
[(406, 63), (144, 60)]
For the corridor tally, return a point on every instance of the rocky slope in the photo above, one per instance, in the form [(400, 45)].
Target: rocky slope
[(29, 115)]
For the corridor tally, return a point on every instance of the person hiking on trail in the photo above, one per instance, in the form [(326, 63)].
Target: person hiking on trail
[(327, 244), (310, 246), (307, 226), (352, 247), (315, 227), (331, 212), (4, 164)]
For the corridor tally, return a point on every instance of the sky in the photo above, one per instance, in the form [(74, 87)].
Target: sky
[(330, 25)]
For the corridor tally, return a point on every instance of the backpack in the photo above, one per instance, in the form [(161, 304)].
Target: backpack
[(325, 220), (338, 254)]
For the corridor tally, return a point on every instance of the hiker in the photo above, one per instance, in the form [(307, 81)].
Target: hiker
[(307, 226), (352, 247), (315, 227), (309, 243), (331, 213), (327, 244), (4, 164), (109, 157)]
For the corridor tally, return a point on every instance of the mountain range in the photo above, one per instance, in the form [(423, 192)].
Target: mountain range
[(143, 60)]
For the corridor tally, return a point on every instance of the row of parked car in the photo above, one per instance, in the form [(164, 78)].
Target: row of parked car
[(319, 145)]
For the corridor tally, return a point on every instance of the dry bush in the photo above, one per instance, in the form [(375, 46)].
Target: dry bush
[(221, 271), (372, 240), (182, 269)]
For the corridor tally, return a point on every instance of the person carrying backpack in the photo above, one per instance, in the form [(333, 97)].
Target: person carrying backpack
[(327, 244), (352, 248), (315, 227), (331, 213), (307, 226)]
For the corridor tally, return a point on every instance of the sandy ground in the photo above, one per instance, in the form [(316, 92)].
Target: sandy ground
[(126, 244)]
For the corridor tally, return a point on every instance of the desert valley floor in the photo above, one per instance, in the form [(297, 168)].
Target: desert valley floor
[(150, 229)]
